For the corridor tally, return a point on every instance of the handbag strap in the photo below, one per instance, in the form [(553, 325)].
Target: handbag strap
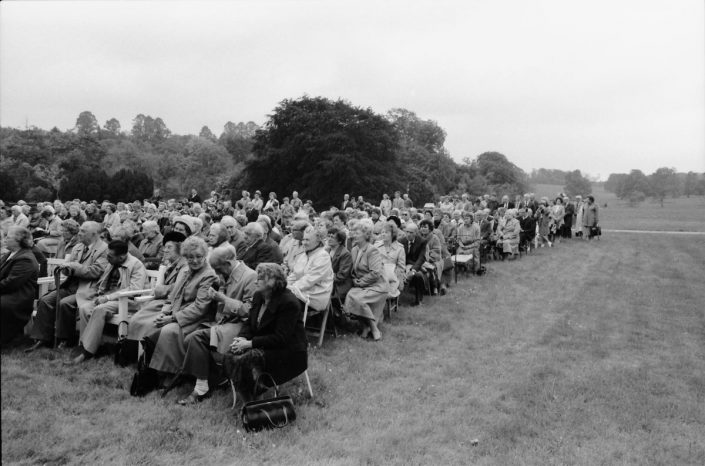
[(278, 426), (257, 382)]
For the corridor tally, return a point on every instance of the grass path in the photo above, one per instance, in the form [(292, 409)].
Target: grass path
[(587, 353)]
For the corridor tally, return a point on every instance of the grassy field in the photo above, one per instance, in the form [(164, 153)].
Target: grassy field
[(586, 353), (680, 214)]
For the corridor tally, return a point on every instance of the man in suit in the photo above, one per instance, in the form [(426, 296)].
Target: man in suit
[(88, 261), (258, 250), (151, 245), (236, 238), (347, 202), (415, 248), (125, 273), (233, 308), (506, 203)]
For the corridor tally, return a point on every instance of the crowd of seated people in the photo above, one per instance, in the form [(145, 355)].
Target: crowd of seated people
[(236, 275)]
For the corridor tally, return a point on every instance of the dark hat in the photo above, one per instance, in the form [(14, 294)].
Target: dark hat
[(395, 219), (174, 237)]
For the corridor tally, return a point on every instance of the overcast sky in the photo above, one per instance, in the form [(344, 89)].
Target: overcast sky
[(600, 86)]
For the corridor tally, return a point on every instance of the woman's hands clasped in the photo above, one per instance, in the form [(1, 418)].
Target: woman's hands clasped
[(240, 345)]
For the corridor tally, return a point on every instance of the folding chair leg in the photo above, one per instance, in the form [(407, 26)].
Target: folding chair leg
[(324, 321), (308, 383), (232, 387)]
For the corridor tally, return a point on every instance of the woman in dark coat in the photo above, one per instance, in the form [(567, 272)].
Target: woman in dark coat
[(18, 283), (273, 340)]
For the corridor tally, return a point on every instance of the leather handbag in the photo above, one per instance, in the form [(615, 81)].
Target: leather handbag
[(268, 413)]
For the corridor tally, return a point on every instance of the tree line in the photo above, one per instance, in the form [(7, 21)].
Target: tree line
[(636, 186), (320, 147)]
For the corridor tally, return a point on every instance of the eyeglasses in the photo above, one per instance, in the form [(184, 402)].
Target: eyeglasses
[(196, 258)]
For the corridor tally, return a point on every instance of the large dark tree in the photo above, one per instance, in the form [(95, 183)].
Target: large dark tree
[(500, 176), (426, 168), (323, 149), (86, 184), (127, 185)]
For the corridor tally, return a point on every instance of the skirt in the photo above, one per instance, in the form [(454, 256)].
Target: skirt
[(365, 303)]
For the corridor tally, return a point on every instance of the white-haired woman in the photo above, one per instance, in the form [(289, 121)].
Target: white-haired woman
[(187, 308), (311, 276), (370, 289)]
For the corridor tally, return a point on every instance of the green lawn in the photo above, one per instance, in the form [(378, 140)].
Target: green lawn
[(587, 353)]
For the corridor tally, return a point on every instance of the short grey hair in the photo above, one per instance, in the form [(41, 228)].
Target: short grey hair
[(255, 229), (150, 224), (319, 234), (23, 235)]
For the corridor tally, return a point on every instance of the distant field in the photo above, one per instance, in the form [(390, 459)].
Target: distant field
[(679, 214), (585, 353)]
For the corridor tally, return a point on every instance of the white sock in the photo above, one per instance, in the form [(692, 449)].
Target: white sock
[(201, 386)]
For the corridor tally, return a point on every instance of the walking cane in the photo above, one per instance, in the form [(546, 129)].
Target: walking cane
[(57, 284)]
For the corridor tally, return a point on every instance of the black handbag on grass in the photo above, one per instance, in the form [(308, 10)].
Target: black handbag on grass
[(268, 413)]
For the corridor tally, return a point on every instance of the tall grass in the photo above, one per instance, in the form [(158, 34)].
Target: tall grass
[(586, 353)]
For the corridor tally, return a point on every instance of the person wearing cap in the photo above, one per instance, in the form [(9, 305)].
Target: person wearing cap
[(183, 224), (258, 250), (52, 229), (143, 321), (152, 244), (125, 273), (125, 233)]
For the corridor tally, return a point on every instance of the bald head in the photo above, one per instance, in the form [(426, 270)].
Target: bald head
[(89, 232)]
